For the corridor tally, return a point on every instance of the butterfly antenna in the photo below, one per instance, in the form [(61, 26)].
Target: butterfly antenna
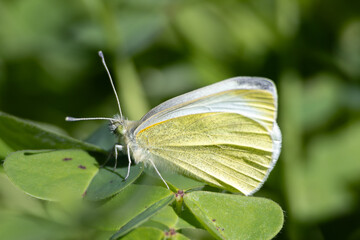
[(72, 119), (111, 81)]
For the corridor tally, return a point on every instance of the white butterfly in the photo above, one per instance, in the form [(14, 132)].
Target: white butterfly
[(224, 134)]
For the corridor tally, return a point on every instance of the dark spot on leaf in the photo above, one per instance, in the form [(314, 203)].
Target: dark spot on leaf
[(213, 220), (111, 181), (172, 231), (222, 229), (179, 194), (67, 159), (81, 166), (83, 195)]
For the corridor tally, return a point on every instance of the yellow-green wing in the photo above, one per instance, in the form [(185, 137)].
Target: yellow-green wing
[(227, 150), (252, 97)]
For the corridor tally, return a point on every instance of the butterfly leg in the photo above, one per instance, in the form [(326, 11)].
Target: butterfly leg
[(158, 173), (117, 148), (129, 158)]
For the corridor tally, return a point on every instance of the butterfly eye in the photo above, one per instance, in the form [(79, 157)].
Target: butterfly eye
[(117, 126)]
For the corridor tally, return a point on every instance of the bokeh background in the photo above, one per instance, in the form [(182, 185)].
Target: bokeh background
[(157, 49)]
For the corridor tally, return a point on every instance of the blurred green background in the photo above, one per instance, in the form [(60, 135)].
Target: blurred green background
[(157, 49)]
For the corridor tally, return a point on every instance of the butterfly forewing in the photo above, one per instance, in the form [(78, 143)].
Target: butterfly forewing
[(252, 97)]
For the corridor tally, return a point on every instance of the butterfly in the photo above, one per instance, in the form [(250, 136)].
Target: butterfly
[(224, 134)]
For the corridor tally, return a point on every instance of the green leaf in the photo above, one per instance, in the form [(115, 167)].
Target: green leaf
[(178, 236), (145, 215), (14, 199), (330, 192), (175, 180), (107, 183), (147, 233), (319, 180), (169, 218), (132, 206), (348, 52), (230, 216), (179, 181), (150, 233), (198, 234), (51, 175), (33, 136), (4, 149), (18, 226), (103, 137), (325, 90)]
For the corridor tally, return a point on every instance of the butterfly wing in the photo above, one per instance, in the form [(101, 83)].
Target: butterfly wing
[(224, 134)]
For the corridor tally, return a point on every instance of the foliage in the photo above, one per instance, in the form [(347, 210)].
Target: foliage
[(156, 50), (116, 206)]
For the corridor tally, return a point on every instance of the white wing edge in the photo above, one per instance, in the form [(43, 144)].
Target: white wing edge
[(276, 138)]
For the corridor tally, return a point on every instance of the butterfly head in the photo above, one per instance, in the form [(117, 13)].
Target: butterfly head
[(117, 125)]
